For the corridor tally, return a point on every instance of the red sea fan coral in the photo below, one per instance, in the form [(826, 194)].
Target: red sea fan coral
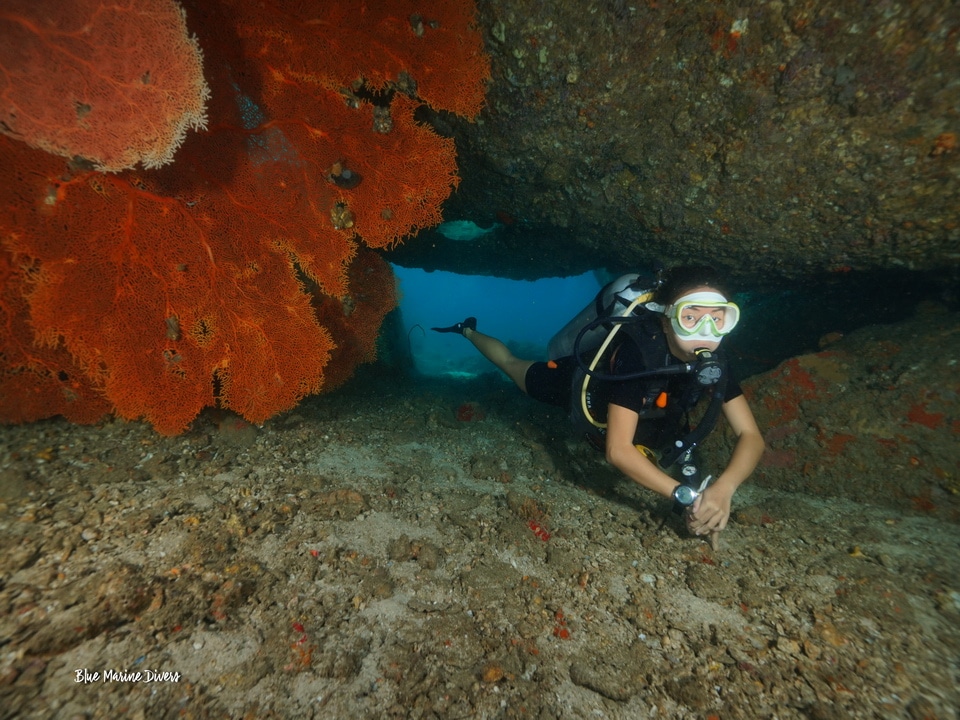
[(355, 319), (115, 83), (37, 380), (154, 304), (183, 287)]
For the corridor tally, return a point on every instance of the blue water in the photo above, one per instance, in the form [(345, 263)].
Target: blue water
[(524, 315)]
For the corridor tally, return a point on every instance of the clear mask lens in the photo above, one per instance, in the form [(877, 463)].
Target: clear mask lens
[(704, 316), (705, 327)]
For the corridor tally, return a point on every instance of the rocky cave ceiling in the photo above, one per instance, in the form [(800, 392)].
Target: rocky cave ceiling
[(775, 139)]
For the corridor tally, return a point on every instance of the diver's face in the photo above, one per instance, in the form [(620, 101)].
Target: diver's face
[(691, 326)]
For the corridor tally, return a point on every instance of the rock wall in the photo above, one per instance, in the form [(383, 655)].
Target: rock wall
[(786, 137), (873, 416)]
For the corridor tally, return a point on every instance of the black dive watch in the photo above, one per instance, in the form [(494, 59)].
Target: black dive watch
[(685, 495)]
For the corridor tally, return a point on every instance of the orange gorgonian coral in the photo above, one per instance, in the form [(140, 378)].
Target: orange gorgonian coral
[(160, 292), (117, 84)]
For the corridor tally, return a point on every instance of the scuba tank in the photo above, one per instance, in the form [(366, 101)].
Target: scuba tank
[(613, 298)]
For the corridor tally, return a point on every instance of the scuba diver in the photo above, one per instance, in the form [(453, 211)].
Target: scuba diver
[(631, 368)]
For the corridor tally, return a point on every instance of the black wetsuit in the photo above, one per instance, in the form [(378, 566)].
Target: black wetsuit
[(658, 427)]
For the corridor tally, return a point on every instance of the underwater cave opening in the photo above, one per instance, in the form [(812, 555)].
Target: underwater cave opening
[(523, 314), (780, 321)]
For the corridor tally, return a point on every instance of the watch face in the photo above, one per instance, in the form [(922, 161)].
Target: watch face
[(685, 495)]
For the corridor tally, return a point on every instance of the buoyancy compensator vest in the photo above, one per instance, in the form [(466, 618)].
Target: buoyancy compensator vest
[(622, 306)]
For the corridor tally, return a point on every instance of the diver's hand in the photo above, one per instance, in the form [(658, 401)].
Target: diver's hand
[(711, 511), (712, 535)]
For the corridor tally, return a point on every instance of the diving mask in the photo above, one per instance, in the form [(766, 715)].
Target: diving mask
[(703, 315)]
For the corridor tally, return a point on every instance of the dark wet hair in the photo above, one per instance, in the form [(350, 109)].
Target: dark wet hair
[(680, 280)]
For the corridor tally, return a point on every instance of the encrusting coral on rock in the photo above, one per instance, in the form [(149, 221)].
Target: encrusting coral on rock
[(199, 283)]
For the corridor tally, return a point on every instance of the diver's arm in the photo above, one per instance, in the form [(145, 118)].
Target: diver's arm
[(711, 511), (621, 453)]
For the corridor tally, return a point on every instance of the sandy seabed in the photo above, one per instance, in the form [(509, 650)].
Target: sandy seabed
[(444, 550)]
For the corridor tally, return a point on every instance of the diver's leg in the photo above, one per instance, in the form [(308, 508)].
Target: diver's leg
[(498, 353)]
